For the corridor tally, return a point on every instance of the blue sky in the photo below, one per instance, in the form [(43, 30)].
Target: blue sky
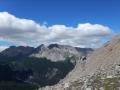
[(65, 12), (68, 12)]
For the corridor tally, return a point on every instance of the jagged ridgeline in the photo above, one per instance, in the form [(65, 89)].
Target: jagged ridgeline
[(27, 68)]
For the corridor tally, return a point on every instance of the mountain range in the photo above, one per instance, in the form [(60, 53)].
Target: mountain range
[(40, 66), (54, 52)]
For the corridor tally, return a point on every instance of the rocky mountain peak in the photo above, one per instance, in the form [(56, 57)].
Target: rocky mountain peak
[(56, 52), (42, 47), (53, 46)]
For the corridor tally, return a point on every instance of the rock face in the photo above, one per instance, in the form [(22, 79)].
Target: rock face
[(105, 59), (101, 70), (57, 52)]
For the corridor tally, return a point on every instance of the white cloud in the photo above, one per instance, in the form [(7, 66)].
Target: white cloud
[(3, 48), (28, 32)]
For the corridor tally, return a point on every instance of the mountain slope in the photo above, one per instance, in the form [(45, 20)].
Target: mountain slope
[(19, 51), (57, 52), (101, 70), (105, 59)]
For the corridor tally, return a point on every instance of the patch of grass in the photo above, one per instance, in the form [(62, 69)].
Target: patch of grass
[(112, 83)]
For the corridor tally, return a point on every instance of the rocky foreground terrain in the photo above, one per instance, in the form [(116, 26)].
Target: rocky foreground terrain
[(100, 71)]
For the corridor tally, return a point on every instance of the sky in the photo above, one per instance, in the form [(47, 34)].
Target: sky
[(84, 23)]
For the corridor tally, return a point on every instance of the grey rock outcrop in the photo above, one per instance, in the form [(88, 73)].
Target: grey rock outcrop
[(57, 52), (105, 60)]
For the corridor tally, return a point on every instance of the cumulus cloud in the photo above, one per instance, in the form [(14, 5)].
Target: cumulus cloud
[(28, 32)]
